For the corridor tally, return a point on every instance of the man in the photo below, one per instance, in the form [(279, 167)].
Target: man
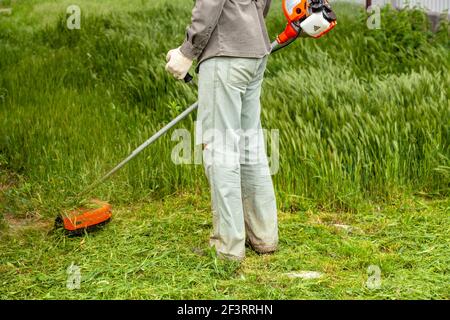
[(229, 39)]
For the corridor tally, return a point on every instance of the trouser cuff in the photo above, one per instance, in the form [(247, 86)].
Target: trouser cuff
[(264, 248)]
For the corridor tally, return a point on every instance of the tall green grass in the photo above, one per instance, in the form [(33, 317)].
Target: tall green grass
[(362, 113)]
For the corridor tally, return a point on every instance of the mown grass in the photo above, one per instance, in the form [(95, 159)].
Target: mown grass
[(150, 251)]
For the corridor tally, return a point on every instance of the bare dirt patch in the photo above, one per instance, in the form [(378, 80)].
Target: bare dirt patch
[(19, 224)]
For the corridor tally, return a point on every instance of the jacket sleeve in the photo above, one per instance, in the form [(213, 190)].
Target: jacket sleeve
[(205, 15), (267, 7)]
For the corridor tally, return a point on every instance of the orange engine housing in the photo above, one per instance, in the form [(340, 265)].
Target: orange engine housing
[(294, 10), (85, 218)]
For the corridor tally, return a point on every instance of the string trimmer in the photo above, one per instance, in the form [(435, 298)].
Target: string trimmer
[(307, 18)]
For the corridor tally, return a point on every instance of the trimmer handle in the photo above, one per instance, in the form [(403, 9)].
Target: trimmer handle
[(188, 78)]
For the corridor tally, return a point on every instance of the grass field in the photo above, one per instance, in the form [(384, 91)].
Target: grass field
[(364, 123)]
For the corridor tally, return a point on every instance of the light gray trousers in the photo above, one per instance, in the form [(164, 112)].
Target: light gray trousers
[(234, 156)]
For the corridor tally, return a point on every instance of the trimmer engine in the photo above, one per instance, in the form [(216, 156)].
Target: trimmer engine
[(310, 18)]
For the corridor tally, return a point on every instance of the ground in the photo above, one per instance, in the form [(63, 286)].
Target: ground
[(158, 250)]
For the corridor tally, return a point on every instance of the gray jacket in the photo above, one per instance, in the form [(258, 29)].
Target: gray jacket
[(234, 28)]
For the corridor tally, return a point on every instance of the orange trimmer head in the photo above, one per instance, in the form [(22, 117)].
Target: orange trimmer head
[(92, 216)]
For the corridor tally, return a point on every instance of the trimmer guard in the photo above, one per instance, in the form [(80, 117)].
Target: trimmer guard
[(77, 221)]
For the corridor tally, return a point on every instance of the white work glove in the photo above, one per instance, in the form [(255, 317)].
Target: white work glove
[(177, 64)]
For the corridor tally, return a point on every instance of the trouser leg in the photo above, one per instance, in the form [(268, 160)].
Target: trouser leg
[(258, 195), (219, 119)]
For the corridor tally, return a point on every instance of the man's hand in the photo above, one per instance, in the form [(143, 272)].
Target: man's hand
[(177, 64)]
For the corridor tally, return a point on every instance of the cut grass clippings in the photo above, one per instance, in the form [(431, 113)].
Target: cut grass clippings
[(158, 250)]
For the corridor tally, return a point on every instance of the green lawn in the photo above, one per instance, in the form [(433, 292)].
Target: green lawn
[(158, 250)]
